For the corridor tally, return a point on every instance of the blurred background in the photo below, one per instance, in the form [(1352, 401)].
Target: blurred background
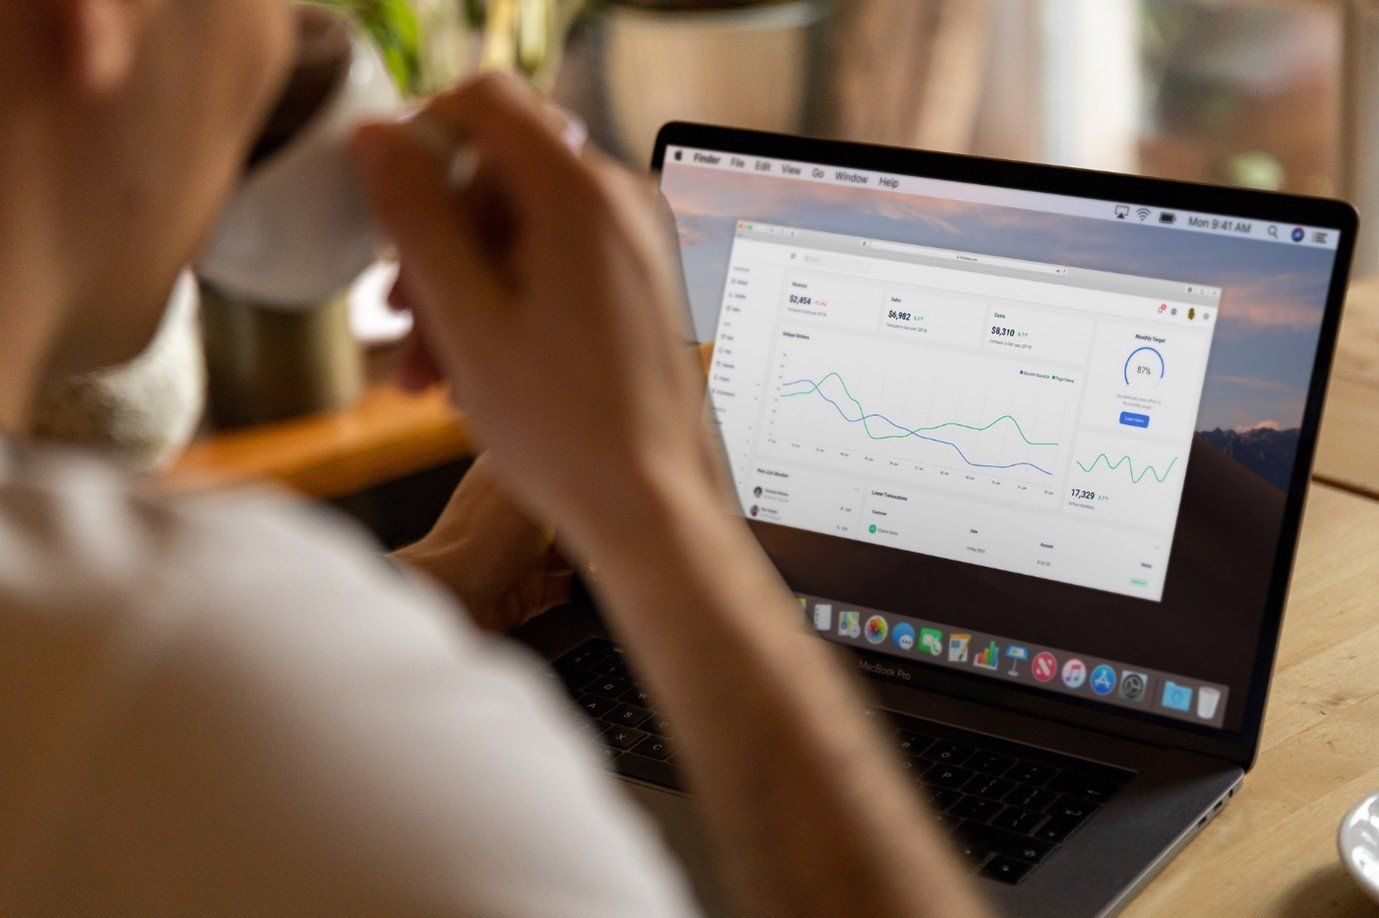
[(1279, 95), (1269, 94)]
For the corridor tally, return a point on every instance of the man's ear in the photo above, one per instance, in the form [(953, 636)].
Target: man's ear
[(99, 40)]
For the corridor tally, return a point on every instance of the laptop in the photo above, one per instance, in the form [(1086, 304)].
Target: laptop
[(1031, 445)]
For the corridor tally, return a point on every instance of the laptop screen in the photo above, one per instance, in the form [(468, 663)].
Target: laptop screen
[(1039, 438)]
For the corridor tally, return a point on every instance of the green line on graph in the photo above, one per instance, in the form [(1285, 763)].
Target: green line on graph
[(1134, 479), (908, 432)]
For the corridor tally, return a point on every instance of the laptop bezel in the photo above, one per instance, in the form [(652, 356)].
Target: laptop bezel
[(1238, 746)]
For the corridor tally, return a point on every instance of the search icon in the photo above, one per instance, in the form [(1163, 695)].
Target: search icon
[(1273, 231)]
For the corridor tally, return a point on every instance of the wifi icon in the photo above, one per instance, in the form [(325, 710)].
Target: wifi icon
[(1143, 214)]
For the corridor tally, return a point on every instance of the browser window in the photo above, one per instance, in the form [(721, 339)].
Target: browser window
[(1019, 415)]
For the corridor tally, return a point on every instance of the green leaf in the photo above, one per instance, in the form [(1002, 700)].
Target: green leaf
[(395, 29)]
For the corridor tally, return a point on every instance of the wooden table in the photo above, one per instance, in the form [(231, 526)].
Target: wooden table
[(387, 435), (1272, 851), (1346, 455)]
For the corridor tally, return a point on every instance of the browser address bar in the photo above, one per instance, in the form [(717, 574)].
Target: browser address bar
[(964, 257)]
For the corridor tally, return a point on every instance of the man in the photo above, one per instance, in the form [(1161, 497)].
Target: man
[(229, 704)]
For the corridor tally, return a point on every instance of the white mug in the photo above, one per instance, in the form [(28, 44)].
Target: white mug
[(298, 232)]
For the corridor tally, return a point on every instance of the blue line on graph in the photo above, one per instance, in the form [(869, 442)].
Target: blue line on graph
[(914, 433)]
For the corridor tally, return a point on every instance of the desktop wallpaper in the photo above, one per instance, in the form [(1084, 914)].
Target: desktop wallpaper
[(1242, 456)]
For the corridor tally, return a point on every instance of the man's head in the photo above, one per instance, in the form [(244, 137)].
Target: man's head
[(125, 125)]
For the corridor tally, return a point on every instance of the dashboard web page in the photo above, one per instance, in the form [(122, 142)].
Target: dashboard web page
[(1023, 416)]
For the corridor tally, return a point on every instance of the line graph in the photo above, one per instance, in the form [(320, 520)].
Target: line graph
[(1125, 480), (864, 418), (1126, 460)]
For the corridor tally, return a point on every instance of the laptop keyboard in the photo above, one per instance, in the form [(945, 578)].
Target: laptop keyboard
[(1008, 807)]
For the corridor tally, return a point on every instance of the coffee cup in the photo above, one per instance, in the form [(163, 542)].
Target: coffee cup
[(298, 231)]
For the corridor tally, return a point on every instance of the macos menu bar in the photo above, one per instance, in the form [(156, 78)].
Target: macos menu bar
[(1129, 212)]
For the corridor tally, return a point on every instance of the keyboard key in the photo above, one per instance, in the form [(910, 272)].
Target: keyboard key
[(1005, 869), (1014, 819), (657, 725), (1019, 847), (1031, 773), (585, 656), (595, 706), (1071, 809), (944, 821), (638, 696), (942, 797), (1093, 789), (948, 775), (915, 767), (1030, 798), (608, 687), (974, 854), (989, 787), (628, 715), (949, 752), (1026, 849), (614, 666), (1056, 830), (653, 747), (914, 743), (990, 763), (622, 737), (977, 809), (575, 679), (631, 765)]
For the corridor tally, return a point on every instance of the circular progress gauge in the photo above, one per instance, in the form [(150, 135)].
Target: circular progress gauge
[(1144, 369)]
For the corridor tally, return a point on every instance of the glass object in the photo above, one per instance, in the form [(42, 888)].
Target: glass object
[(525, 36)]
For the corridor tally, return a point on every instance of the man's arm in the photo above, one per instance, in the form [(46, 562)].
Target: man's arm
[(548, 294), (810, 816)]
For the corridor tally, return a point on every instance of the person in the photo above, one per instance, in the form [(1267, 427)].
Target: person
[(230, 703)]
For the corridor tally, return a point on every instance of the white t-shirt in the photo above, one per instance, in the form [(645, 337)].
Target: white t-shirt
[(234, 705)]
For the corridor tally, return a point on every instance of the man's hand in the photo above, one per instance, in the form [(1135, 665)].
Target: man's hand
[(501, 566), (522, 282)]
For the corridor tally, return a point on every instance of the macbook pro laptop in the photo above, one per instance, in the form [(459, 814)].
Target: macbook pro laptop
[(1032, 444)]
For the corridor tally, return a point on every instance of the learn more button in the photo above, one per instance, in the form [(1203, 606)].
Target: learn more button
[(1130, 419)]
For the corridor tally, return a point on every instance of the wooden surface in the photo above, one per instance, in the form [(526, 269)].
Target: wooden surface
[(1346, 455), (1273, 849), (387, 435)]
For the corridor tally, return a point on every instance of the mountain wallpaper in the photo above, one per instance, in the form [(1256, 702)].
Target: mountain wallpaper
[(1266, 451)]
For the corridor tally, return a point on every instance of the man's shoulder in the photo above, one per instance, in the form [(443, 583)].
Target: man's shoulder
[(94, 544)]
